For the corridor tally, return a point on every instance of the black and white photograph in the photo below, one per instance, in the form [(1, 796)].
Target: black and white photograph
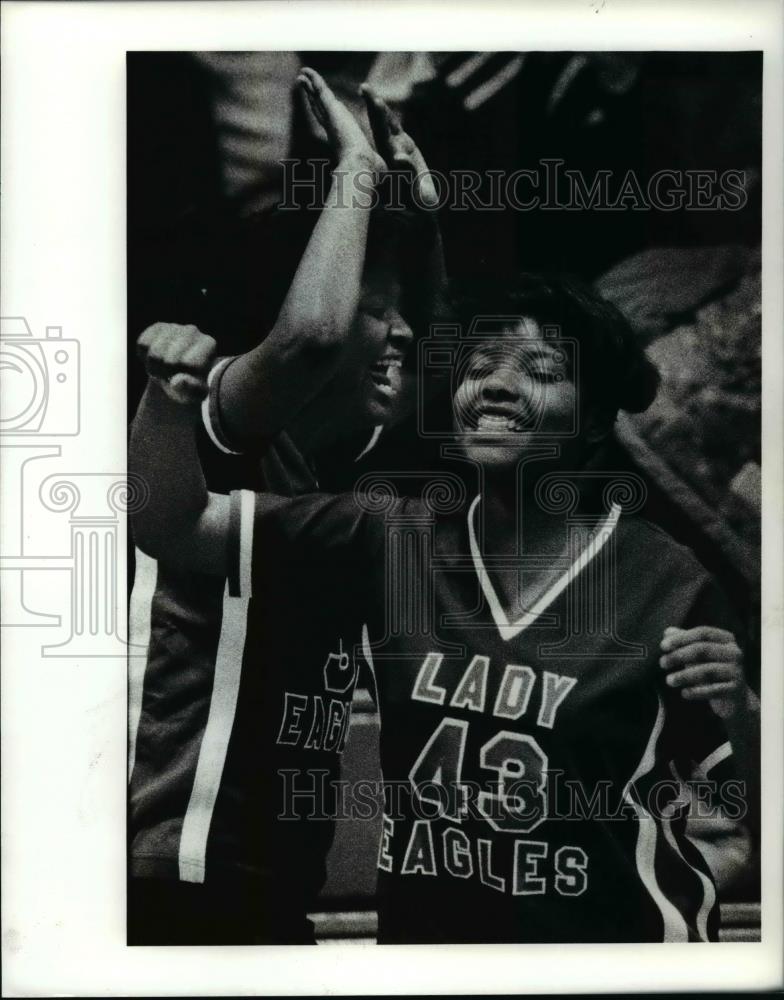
[(391, 425), (445, 407)]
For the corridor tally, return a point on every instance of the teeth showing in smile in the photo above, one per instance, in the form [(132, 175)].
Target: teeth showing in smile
[(495, 423), (386, 375)]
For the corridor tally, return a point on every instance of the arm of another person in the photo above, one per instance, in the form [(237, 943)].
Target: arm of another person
[(181, 522), (188, 527), (401, 153), (261, 391)]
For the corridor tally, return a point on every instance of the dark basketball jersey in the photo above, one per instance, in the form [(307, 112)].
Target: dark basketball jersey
[(533, 761), (242, 696)]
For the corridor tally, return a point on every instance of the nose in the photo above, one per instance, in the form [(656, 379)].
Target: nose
[(501, 385), (400, 333)]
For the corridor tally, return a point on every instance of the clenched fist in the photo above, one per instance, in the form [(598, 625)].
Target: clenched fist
[(179, 359)]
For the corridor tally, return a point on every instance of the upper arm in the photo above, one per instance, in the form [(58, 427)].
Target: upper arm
[(260, 393), (200, 542)]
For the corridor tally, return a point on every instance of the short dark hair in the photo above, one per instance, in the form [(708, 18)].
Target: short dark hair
[(614, 372)]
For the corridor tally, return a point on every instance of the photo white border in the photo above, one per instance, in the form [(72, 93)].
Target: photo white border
[(63, 721)]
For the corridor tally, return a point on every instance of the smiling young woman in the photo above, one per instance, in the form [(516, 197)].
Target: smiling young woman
[(549, 671)]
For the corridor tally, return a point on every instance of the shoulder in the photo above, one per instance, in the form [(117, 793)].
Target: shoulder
[(653, 568), (647, 541)]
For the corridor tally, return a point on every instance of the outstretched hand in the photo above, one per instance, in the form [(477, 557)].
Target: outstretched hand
[(178, 358), (343, 131), (398, 148)]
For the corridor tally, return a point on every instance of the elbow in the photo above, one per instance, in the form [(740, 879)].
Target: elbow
[(318, 341)]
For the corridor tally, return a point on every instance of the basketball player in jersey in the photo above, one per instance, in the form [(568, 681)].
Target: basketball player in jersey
[(550, 668), (211, 707)]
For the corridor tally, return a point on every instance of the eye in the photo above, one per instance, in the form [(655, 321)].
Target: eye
[(479, 367), (374, 308)]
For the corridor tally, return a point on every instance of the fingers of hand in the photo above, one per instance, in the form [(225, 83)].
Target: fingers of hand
[(168, 349), (705, 673), (701, 652), (677, 637), (311, 103), (426, 190), (325, 104), (184, 388), (708, 692), (382, 118), (397, 147)]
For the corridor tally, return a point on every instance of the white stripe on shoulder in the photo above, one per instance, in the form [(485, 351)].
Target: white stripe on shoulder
[(145, 581), (215, 742)]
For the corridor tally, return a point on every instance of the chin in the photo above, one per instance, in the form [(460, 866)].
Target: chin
[(380, 408), (483, 450)]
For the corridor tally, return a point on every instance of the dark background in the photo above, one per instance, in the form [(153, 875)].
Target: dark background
[(206, 132)]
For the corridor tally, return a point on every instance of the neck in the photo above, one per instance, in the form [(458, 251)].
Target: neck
[(514, 518)]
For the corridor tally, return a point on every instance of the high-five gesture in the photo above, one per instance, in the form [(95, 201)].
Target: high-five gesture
[(343, 131), (398, 148)]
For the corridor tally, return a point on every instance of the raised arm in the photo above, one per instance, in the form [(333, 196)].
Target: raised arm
[(181, 523), (263, 390), (187, 527)]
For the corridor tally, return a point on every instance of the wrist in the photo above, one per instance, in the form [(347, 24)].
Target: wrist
[(359, 160), (170, 410)]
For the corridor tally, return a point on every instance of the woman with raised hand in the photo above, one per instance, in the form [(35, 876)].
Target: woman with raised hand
[(211, 862), (550, 668)]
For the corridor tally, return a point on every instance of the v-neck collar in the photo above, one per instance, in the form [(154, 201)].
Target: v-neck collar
[(509, 630)]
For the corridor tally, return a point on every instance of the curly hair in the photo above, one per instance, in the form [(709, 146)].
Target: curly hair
[(613, 370)]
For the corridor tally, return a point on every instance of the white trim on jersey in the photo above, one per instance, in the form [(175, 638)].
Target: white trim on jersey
[(708, 888), (675, 928), (223, 707), (145, 581), (367, 652), (206, 413), (247, 514), (372, 442), (719, 754), (510, 630), (215, 742)]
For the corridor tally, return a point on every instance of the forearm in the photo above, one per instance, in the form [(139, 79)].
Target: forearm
[(324, 294), (163, 454), (743, 729), (261, 391)]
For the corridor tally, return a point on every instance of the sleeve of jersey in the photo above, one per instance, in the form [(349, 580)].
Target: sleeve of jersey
[(313, 533), (210, 409), (699, 738)]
